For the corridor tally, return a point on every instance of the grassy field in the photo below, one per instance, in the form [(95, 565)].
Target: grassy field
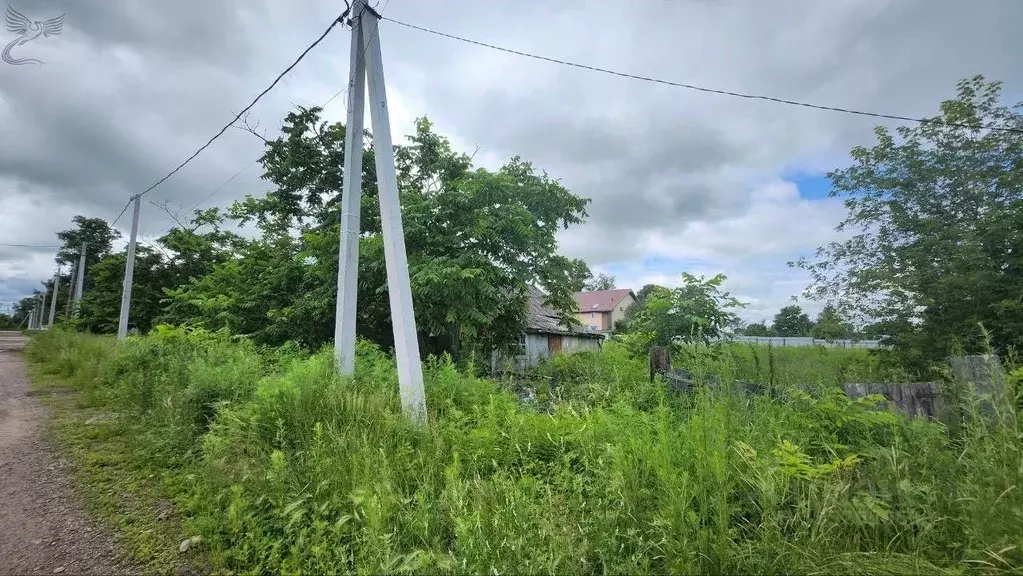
[(278, 464)]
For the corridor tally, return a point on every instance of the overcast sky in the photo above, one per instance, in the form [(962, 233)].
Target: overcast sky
[(680, 180)]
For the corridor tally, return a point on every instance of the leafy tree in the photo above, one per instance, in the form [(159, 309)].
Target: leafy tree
[(830, 325), (24, 307), (99, 237), (476, 240), (601, 282), (578, 274), (936, 216), (757, 329), (632, 311), (791, 321), (874, 331), (101, 305), (182, 254), (698, 310)]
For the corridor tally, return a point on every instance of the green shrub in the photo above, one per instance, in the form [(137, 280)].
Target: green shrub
[(78, 360)]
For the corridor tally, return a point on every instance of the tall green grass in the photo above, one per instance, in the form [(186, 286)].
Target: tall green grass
[(295, 469)]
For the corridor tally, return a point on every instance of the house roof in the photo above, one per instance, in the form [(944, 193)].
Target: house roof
[(540, 318), (601, 300)]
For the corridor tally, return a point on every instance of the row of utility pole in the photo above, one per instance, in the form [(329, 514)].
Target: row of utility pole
[(366, 66), (37, 317)]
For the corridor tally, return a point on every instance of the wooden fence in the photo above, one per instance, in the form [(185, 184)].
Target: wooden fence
[(979, 378)]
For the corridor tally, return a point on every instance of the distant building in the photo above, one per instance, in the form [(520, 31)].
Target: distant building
[(600, 309), (543, 337)]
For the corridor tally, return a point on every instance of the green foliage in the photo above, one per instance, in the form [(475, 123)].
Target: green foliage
[(787, 367), (698, 310), (476, 241), (757, 329), (830, 325), (101, 303), (578, 273), (96, 233), (294, 469), (791, 321), (601, 282), (935, 216)]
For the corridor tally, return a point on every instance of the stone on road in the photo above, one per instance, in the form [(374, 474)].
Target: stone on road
[(43, 529)]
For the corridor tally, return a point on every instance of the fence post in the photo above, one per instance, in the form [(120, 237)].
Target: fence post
[(987, 377)]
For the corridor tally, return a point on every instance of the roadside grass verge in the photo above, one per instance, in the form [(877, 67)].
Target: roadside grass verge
[(110, 473)]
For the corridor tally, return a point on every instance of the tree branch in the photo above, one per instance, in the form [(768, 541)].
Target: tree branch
[(251, 128)]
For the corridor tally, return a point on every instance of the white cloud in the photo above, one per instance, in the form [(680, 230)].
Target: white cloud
[(777, 222), (681, 179), (751, 249)]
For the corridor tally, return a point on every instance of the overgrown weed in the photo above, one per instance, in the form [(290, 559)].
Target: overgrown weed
[(294, 468)]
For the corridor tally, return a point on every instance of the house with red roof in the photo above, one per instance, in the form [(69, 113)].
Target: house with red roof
[(600, 309)]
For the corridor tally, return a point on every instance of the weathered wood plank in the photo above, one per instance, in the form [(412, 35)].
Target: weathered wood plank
[(984, 375), (912, 399)]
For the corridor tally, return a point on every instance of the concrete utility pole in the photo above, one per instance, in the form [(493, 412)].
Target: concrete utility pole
[(70, 291), (38, 310), (53, 299), (41, 317), (79, 280), (351, 208), (366, 48), (129, 271)]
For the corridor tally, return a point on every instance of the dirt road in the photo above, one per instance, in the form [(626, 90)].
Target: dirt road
[(43, 529)]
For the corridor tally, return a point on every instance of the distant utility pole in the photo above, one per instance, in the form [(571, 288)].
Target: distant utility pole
[(37, 311), (365, 59), (79, 280), (53, 299), (70, 290), (129, 271), (42, 311)]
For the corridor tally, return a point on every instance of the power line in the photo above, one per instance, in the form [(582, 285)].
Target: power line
[(247, 166), (30, 246), (331, 99), (123, 210), (226, 182), (351, 82), (280, 76), (703, 88)]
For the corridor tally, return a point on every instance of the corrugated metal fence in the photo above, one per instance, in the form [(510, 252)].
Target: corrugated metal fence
[(805, 341)]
